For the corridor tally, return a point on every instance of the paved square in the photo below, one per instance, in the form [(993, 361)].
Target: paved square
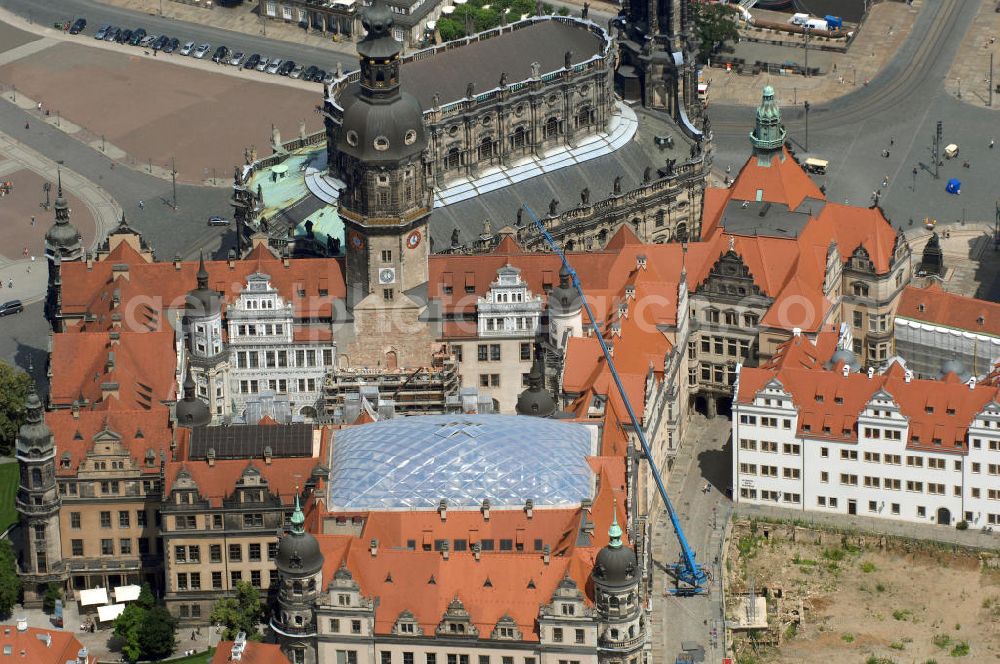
[(17, 208)]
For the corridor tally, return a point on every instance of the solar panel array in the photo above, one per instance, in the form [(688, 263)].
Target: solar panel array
[(246, 441)]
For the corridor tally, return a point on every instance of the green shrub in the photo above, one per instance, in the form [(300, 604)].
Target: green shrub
[(941, 640), (834, 554), (868, 567), (896, 645), (962, 525), (847, 638), (960, 649), (902, 614)]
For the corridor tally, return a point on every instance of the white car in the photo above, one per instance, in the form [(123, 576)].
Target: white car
[(238, 58), (274, 66), (218, 221), (262, 65), (187, 48), (202, 51)]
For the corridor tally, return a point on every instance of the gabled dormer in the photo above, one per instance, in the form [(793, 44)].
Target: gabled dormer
[(774, 395), (506, 629), (407, 625), (729, 277), (456, 621), (184, 490), (861, 261)]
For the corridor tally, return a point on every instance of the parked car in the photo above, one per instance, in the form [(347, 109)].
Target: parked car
[(202, 51), (137, 36), (237, 58), (171, 45), (112, 34), (160, 42), (252, 61), (78, 26), (275, 65), (124, 37), (12, 307), (296, 72), (187, 48), (148, 40), (319, 76), (309, 73), (221, 55), (102, 31), (264, 63), (218, 221), (330, 78), (286, 69)]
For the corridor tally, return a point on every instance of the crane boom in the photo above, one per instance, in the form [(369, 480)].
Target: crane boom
[(687, 571)]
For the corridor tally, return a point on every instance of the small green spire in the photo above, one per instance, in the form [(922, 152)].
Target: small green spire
[(615, 531), (298, 518), (769, 134)]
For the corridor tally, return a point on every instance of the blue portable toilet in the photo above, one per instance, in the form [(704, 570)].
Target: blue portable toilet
[(954, 186), (834, 22)]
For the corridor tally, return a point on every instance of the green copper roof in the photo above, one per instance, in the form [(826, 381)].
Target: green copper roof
[(768, 134)]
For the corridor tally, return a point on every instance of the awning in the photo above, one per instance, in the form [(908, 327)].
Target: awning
[(109, 612), (93, 596), (279, 168), (127, 593)]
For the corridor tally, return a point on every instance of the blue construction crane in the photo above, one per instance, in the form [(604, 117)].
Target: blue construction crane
[(691, 578)]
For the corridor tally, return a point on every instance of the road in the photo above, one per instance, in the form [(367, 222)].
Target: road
[(98, 14), (897, 112)]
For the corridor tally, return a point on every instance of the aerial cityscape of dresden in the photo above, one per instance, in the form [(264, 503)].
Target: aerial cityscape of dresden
[(499, 331)]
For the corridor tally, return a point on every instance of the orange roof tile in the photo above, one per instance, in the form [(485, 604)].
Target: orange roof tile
[(140, 431), (782, 181), (936, 306), (255, 652), (283, 476), (30, 645)]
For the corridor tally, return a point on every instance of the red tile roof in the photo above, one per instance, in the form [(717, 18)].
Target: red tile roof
[(27, 647), (829, 403), (142, 364), (782, 181), (936, 306), (140, 431), (254, 653), (283, 475)]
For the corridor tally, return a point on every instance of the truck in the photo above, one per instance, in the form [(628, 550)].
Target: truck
[(817, 24), (835, 22), (799, 19)]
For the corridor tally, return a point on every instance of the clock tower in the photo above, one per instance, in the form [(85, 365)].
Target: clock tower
[(379, 155)]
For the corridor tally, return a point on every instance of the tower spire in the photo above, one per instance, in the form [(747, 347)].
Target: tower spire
[(768, 135), (202, 275), (60, 205), (615, 531), (298, 518)]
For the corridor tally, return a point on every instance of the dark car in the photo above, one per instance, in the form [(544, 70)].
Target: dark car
[(137, 36), (310, 73), (171, 45), (78, 26), (124, 37), (160, 43), (12, 307), (286, 69), (112, 34), (221, 54), (102, 31), (252, 61), (319, 75)]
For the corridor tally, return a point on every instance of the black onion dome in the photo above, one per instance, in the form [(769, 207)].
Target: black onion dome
[(564, 298), (298, 551), (34, 434), (203, 302), (536, 400), (192, 411), (615, 566)]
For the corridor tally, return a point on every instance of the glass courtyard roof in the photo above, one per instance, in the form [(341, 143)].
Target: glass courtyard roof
[(414, 462)]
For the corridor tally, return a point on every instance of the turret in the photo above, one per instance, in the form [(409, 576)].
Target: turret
[(565, 311), (616, 577), (62, 244), (300, 578), (536, 400), (192, 411), (768, 135)]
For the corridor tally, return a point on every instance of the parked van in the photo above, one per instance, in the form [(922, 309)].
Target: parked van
[(817, 166), (951, 151), (817, 24), (799, 19)]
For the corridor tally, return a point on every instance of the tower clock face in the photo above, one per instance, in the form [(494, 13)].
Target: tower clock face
[(386, 275), (413, 240)]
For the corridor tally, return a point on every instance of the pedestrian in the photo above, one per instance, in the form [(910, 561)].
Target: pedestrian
[(892, 140), (10, 283), (25, 252), (26, 125), (992, 142), (142, 205), (32, 220), (39, 107)]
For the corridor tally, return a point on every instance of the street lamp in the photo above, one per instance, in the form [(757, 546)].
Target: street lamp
[(959, 87), (855, 79), (914, 179), (805, 104)]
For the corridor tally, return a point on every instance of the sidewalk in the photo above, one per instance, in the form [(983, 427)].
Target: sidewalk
[(973, 537), (969, 77), (882, 33)]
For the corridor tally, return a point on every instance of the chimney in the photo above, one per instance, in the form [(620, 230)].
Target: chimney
[(286, 261), (22, 624), (485, 509), (443, 509), (476, 551), (75, 409), (373, 547), (611, 348), (796, 331), (210, 457), (972, 383), (640, 262), (444, 550), (177, 262), (845, 370), (90, 260), (546, 554), (529, 508), (871, 372), (231, 259), (908, 376), (267, 455)]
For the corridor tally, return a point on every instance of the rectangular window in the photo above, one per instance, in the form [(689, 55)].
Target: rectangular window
[(255, 578), (253, 520), (235, 577), (216, 580), (386, 255), (581, 636), (557, 634), (525, 352), (355, 627), (107, 547), (74, 519), (235, 553), (215, 553), (494, 352), (124, 519), (387, 294), (78, 547), (105, 519), (253, 552)]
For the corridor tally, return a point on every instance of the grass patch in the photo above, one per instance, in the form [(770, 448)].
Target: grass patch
[(8, 488), (791, 631), (200, 658), (896, 645), (879, 660), (960, 649), (834, 554), (902, 614), (880, 587), (868, 567), (941, 640), (847, 638)]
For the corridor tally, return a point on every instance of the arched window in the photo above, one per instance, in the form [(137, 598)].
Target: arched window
[(860, 289), (486, 149), (681, 235), (453, 160), (297, 588), (519, 138), (552, 127), (583, 117)]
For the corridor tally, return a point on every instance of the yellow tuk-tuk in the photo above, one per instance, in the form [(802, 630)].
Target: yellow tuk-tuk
[(818, 166), (951, 151)]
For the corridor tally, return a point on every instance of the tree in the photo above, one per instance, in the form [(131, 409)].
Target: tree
[(239, 614), (128, 626), (156, 635), (53, 591), (714, 24), (146, 599), (10, 582), (14, 385)]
